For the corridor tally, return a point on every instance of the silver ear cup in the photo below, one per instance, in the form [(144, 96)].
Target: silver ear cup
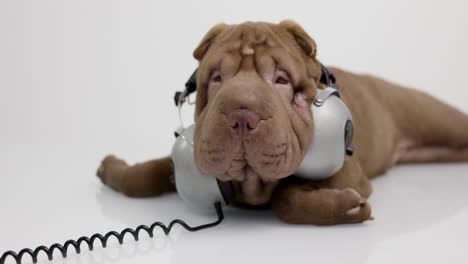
[(197, 189), (326, 152)]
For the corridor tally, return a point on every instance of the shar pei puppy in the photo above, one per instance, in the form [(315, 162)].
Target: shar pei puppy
[(256, 83)]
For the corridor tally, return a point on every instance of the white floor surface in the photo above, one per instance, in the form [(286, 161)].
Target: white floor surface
[(51, 195)]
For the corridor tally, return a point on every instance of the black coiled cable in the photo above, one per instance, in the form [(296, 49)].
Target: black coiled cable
[(49, 251)]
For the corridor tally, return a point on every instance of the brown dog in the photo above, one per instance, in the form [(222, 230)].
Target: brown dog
[(256, 82)]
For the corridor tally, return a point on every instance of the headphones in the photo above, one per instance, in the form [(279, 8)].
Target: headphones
[(331, 141)]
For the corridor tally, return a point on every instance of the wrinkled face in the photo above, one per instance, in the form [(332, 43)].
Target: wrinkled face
[(256, 82)]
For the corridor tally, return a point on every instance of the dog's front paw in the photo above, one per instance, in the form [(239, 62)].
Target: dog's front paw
[(299, 205), (352, 207), (110, 171)]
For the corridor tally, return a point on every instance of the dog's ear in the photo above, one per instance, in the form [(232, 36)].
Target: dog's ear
[(305, 42), (206, 42)]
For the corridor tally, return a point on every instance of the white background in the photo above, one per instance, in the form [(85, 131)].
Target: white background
[(80, 79)]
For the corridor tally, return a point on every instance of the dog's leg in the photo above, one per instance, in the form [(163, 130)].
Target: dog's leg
[(150, 178), (338, 200), (437, 133)]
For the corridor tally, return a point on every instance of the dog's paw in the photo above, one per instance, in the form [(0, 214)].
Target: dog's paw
[(109, 170), (353, 207)]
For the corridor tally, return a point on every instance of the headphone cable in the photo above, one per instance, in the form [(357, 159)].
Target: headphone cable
[(63, 248)]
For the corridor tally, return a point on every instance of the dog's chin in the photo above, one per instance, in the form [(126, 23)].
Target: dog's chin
[(249, 186)]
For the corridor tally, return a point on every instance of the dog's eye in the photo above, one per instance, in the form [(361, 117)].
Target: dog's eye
[(216, 77), (281, 77), (281, 80)]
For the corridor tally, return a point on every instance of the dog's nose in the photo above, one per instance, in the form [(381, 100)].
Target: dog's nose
[(243, 121)]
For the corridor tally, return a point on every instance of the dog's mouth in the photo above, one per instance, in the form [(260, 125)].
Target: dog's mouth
[(237, 170), (249, 186), (254, 160), (260, 163), (230, 156)]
